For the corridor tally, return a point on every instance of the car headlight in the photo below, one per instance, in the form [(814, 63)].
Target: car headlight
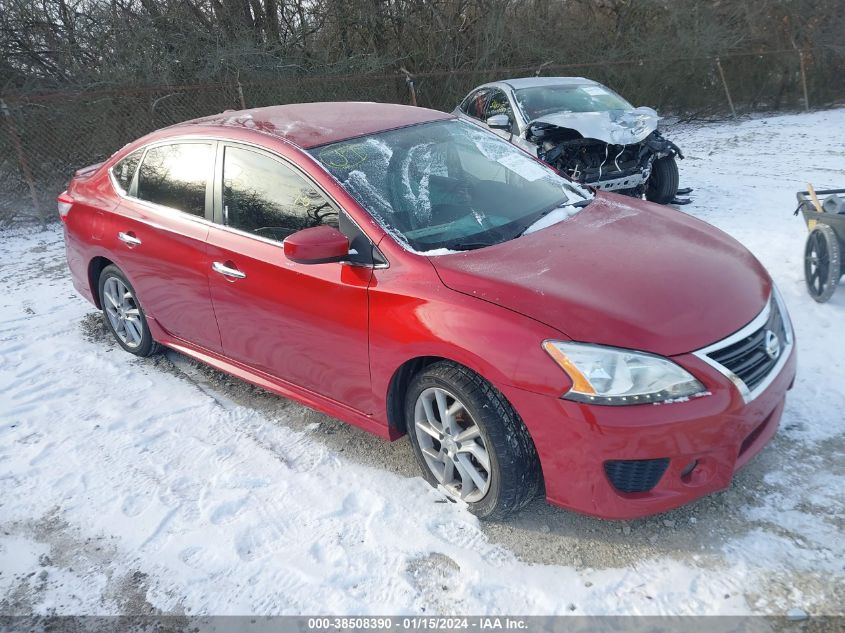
[(609, 375)]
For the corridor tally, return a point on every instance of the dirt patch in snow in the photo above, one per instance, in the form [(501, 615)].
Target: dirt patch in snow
[(67, 567)]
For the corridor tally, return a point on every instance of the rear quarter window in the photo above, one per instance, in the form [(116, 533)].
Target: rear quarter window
[(124, 171)]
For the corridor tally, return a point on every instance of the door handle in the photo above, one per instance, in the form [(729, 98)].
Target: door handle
[(128, 238), (223, 269)]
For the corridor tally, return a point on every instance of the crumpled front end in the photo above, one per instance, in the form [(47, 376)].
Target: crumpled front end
[(612, 151)]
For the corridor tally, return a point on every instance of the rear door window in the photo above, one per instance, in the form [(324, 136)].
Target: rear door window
[(475, 103), (177, 176)]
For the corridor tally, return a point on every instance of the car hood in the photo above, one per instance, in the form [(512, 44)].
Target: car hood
[(617, 127), (621, 272)]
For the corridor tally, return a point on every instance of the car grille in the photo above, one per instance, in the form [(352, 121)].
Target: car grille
[(635, 475), (748, 358)]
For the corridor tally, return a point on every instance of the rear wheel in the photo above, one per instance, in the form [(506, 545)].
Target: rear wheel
[(662, 184), (470, 442), (124, 314), (822, 263)]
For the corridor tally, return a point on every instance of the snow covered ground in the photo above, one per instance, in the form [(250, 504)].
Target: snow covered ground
[(161, 486)]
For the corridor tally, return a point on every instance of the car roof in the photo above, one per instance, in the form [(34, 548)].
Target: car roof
[(309, 125), (536, 82)]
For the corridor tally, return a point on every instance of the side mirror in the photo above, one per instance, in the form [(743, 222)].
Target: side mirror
[(499, 122), (317, 245)]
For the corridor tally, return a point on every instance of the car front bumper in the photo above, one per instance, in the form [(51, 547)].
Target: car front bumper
[(616, 181), (718, 433)]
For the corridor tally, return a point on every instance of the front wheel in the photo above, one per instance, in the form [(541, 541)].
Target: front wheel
[(662, 184), (470, 442)]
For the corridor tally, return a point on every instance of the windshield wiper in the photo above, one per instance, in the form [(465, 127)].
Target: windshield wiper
[(470, 246), (579, 204), (474, 245)]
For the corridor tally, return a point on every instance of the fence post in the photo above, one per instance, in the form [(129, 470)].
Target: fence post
[(804, 80), (725, 84), (240, 91), (24, 165), (409, 79)]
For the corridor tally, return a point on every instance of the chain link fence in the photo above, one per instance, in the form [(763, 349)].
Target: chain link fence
[(44, 137)]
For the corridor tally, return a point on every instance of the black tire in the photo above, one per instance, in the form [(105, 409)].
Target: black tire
[(146, 345), (515, 477), (662, 184), (822, 263)]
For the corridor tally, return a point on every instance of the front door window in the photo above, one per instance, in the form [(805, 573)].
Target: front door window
[(263, 196)]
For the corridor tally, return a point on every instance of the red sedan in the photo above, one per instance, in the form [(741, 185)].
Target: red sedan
[(409, 272)]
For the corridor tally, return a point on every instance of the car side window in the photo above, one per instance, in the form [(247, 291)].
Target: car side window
[(466, 104), (262, 195), (475, 103), (498, 104), (177, 176), (124, 170)]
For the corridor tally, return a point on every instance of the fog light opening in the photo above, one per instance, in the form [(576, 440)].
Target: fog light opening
[(686, 473)]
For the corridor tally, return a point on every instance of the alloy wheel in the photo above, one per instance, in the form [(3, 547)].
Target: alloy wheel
[(452, 445), (122, 312)]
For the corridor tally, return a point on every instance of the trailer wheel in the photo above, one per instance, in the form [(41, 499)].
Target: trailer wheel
[(662, 184), (822, 263)]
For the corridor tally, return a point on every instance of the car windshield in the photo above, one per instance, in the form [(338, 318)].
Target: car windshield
[(448, 184), (542, 100)]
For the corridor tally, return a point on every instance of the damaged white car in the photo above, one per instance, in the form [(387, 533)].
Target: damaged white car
[(584, 130)]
